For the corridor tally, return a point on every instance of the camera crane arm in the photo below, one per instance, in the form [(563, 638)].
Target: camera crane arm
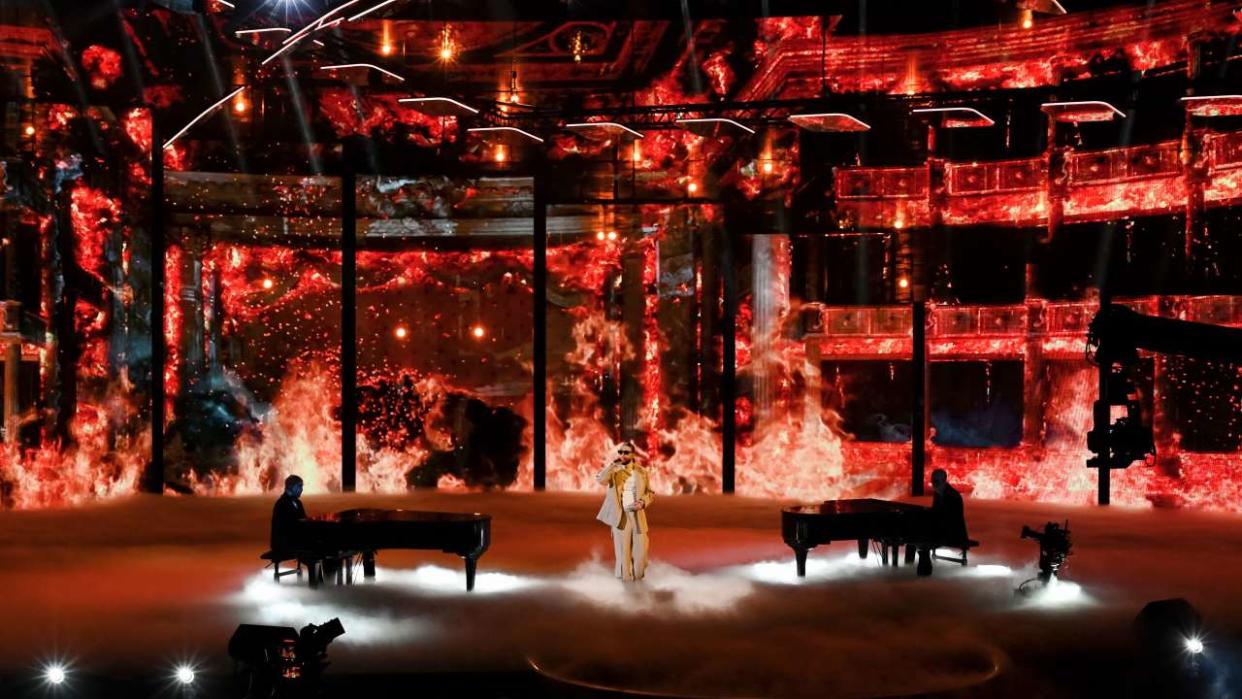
[(1115, 336), (1117, 333)]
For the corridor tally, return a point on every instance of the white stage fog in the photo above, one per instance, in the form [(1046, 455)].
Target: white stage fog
[(148, 582)]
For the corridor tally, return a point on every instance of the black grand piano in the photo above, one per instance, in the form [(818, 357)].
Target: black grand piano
[(889, 524), (343, 536)]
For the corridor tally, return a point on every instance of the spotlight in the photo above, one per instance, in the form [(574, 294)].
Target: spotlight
[(1194, 646), (767, 167), (184, 674), (478, 331), (30, 130), (612, 235), (599, 235), (500, 155), (267, 283), (400, 332), (446, 45), (903, 283), (692, 187), (55, 674), (637, 154), (239, 105)]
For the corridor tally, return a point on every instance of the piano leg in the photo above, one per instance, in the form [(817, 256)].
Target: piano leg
[(911, 549), (800, 557), (894, 553), (471, 565), (925, 563), (863, 545), (368, 564), (314, 570), (884, 554)]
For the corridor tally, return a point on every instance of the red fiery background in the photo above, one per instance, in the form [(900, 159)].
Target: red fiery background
[(790, 444)]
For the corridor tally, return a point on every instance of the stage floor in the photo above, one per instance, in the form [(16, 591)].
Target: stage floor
[(134, 586)]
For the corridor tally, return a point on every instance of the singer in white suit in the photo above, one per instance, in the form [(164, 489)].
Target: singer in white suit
[(624, 510)]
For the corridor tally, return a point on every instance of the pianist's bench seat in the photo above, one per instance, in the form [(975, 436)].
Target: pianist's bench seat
[(275, 558), (962, 547), (315, 564)]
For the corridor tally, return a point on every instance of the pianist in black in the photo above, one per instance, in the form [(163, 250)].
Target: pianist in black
[(286, 514), (948, 512)]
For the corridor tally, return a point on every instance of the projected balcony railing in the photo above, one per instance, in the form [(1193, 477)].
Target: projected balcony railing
[(1051, 51), (993, 332), (1099, 185)]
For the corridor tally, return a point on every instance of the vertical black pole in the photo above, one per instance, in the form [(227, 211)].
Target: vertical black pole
[(728, 378), (540, 350), (349, 313), (153, 478), (1102, 412), (918, 414)]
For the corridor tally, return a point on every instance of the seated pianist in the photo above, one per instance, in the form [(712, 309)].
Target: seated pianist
[(286, 514), (948, 514)]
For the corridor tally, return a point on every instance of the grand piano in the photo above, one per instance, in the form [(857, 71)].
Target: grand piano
[(889, 524), (348, 534)]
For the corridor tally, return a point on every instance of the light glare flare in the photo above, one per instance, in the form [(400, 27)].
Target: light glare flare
[(55, 674), (1194, 645), (184, 674)]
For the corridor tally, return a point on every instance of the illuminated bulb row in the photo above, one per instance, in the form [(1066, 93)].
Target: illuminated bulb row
[(610, 235)]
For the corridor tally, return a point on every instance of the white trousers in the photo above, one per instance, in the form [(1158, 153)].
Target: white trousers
[(630, 547)]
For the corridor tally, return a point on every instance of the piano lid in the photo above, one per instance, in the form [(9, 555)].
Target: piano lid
[(378, 515), (860, 506)]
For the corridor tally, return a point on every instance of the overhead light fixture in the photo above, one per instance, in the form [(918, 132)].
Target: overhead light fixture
[(373, 8), (1213, 105), (714, 127), (439, 106), (1047, 7), (202, 116), (830, 122), (956, 117), (504, 131), (368, 66), (1077, 112), (262, 30), (603, 130)]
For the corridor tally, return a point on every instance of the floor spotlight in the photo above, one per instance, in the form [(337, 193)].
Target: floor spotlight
[(184, 675), (1194, 645), (55, 674)]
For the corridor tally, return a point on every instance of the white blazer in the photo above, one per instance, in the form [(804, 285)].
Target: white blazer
[(611, 511)]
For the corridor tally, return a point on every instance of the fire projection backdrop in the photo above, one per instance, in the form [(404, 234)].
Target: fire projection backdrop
[(444, 327)]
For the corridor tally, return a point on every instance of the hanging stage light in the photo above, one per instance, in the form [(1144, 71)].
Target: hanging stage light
[(439, 106), (955, 117), (1076, 112), (714, 127), (829, 122)]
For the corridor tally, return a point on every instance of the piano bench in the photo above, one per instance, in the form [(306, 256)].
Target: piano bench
[(963, 548), (275, 558)]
